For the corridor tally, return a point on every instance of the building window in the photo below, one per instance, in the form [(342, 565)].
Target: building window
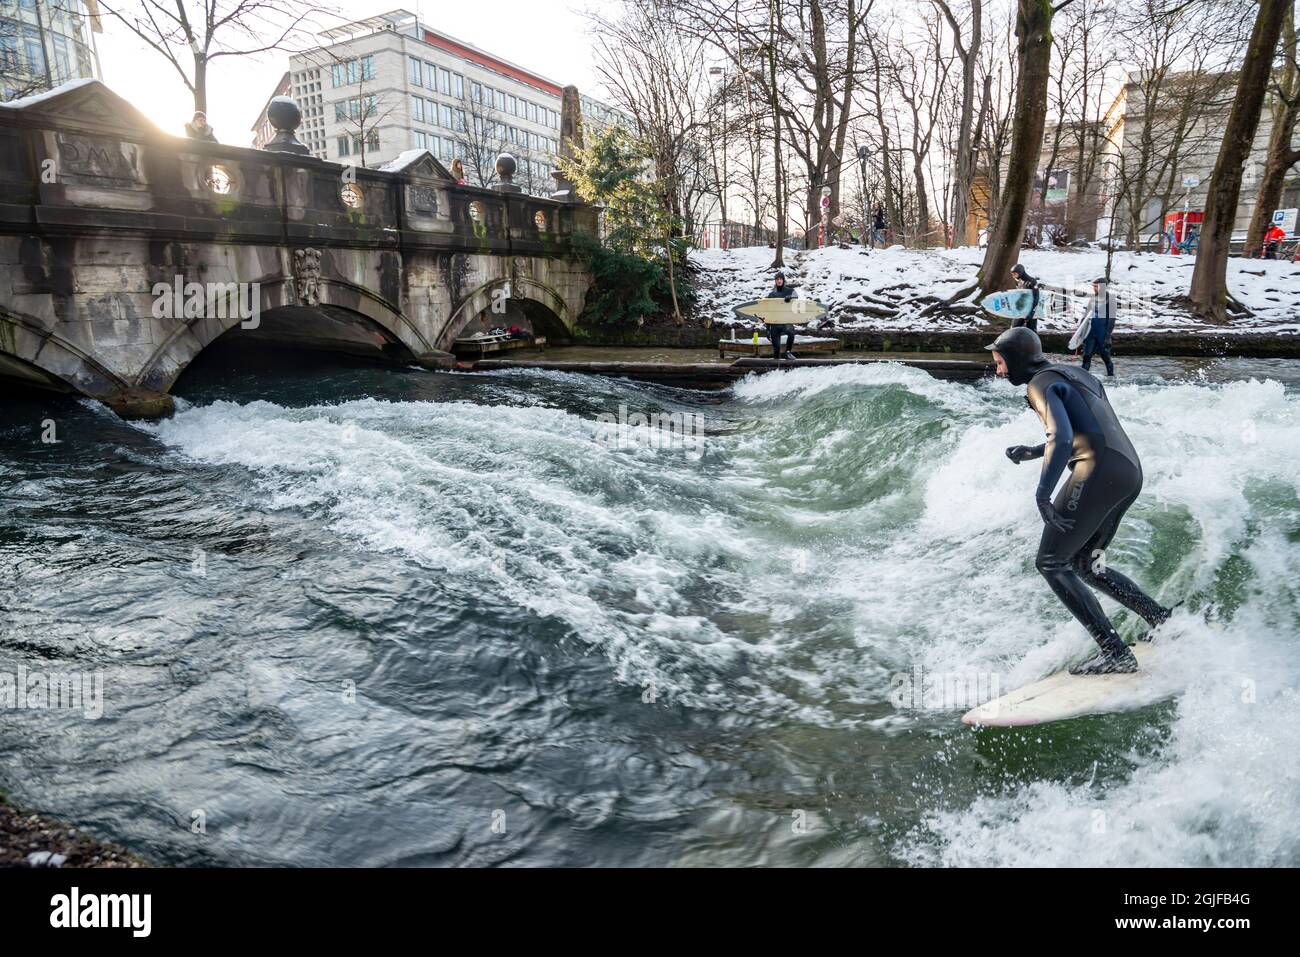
[(532, 112), (447, 117), (431, 112), (500, 100), (415, 71), (444, 81), (458, 86), (62, 62), (512, 106), (476, 92), (420, 141), (417, 109), (341, 111), (460, 121), (372, 140), (343, 146), (32, 49), (367, 67), (430, 75)]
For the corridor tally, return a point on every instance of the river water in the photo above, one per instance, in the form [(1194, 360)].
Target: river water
[(361, 616)]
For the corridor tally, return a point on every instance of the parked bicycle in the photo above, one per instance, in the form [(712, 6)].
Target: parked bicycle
[(1186, 247)]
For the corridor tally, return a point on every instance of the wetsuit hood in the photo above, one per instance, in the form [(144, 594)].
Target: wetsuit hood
[(1022, 351)]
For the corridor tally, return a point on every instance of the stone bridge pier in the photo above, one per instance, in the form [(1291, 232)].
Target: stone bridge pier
[(125, 252)]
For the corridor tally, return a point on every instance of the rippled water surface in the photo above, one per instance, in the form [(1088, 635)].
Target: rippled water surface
[(348, 615)]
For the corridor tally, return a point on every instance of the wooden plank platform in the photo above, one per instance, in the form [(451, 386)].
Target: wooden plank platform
[(485, 345), (718, 375), (747, 347)]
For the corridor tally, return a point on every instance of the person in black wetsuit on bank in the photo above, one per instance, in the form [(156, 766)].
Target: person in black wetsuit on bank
[(1025, 281), (781, 290), (1105, 479)]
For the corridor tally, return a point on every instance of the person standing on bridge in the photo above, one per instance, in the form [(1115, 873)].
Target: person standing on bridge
[(197, 128)]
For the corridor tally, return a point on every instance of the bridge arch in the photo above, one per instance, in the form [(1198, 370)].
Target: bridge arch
[(336, 315), (32, 355), (543, 306)]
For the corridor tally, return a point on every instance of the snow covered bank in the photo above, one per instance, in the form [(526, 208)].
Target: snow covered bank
[(886, 289)]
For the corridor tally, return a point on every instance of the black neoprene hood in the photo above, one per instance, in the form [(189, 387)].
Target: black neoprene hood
[(1022, 351)]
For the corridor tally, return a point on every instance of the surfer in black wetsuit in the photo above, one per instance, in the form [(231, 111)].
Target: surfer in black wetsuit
[(781, 291), (1105, 479), (1025, 281)]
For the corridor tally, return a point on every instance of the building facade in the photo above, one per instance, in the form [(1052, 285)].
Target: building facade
[(388, 84), (45, 43)]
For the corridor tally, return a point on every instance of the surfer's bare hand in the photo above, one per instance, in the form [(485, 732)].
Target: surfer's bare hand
[(1054, 518)]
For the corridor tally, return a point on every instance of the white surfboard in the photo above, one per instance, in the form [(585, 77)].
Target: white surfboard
[(1081, 333), (782, 312), (1009, 304), (1063, 695)]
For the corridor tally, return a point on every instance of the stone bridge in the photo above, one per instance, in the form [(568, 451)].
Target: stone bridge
[(125, 252)]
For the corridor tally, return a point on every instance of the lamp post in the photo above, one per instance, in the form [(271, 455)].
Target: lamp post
[(722, 196)]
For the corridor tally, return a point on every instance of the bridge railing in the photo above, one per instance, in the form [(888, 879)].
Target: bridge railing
[(82, 158)]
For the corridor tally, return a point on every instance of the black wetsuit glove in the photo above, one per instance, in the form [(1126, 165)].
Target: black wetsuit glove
[(1054, 518), (1023, 453)]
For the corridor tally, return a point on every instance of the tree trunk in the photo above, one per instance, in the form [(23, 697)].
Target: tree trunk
[(1034, 35), (964, 177), (922, 206), (1281, 157), (1209, 292), (200, 84), (773, 13)]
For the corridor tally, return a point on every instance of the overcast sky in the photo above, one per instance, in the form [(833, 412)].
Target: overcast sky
[(546, 36)]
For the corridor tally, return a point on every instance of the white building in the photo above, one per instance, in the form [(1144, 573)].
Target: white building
[(390, 83), (45, 43)]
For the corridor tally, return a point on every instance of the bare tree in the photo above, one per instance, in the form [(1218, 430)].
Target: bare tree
[(1034, 55), (1209, 294), (1281, 154), (191, 34), (968, 51)]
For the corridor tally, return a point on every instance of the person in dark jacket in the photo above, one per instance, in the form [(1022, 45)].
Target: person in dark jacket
[(1025, 281), (781, 290), (1103, 324), (1084, 436), (878, 225), (197, 128)]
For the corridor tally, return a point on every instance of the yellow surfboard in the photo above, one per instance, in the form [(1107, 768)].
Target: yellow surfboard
[(782, 312)]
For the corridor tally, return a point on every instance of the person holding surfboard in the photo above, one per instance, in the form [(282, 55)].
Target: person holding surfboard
[(781, 291), (1100, 313), (1025, 281), (1083, 435)]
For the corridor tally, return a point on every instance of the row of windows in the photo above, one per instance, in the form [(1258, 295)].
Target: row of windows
[(357, 108), (21, 50), (353, 71), (436, 78), (512, 105), (437, 114), (443, 147), (351, 145)]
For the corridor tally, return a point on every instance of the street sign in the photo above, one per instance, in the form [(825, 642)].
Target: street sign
[(1191, 182), (1286, 218)]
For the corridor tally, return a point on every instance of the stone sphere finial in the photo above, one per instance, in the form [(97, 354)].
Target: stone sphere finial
[(506, 166), (283, 114)]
